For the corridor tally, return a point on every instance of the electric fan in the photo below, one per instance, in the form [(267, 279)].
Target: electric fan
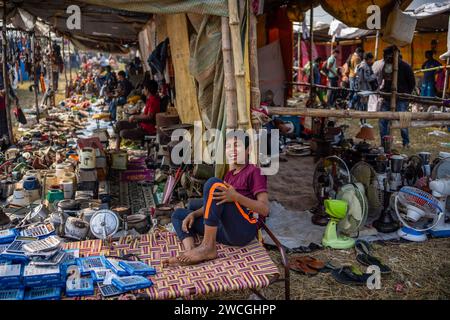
[(441, 190), (358, 209), (348, 213), (329, 175), (364, 173), (418, 211)]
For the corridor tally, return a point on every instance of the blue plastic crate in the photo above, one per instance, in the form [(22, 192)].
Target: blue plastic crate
[(10, 273), (8, 235)]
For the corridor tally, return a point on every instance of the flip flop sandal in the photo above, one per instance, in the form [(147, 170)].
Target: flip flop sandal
[(302, 268), (313, 263), (363, 247), (329, 267), (369, 260), (346, 275)]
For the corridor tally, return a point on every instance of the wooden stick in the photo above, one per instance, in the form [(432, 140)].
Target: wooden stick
[(432, 69), (70, 66), (229, 80), (311, 43), (394, 80), (444, 91), (36, 81), (239, 71), (388, 115), (253, 53), (6, 78), (377, 40), (405, 96), (421, 124)]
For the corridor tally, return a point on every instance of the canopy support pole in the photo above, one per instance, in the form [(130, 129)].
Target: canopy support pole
[(377, 43), (311, 43), (444, 91), (36, 80), (65, 69), (6, 78), (229, 81)]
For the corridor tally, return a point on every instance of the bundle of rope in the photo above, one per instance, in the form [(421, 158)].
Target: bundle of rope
[(405, 119)]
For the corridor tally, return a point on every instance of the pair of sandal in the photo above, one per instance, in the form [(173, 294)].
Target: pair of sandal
[(306, 265), (352, 275)]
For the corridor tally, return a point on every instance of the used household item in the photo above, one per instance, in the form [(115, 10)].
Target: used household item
[(119, 160), (330, 174), (31, 183), (87, 159), (7, 188), (11, 153), (104, 223), (38, 214), (418, 211), (68, 188), (76, 228), (441, 190), (337, 209), (69, 207), (19, 198), (139, 222), (55, 195)]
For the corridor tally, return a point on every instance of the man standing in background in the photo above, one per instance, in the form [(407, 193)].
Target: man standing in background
[(333, 77)]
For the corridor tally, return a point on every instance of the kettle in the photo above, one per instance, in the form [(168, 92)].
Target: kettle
[(76, 228)]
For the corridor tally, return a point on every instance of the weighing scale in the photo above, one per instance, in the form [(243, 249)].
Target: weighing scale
[(8, 235), (109, 290), (12, 294), (80, 287), (40, 231)]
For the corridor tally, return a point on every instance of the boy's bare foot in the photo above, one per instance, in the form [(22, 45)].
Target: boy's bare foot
[(198, 254), (191, 257)]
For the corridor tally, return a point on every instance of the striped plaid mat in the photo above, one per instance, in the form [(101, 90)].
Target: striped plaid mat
[(236, 268)]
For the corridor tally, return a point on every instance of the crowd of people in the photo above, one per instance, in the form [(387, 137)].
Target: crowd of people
[(350, 86)]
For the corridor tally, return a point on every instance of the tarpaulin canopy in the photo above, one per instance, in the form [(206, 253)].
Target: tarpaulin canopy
[(209, 7), (101, 27)]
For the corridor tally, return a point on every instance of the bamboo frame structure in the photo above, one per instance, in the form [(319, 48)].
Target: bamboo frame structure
[(311, 43), (239, 70), (229, 80), (446, 79), (36, 81), (394, 80), (65, 69), (6, 77), (253, 53), (421, 124), (388, 115)]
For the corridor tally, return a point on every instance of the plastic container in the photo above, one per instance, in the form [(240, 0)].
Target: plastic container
[(399, 28)]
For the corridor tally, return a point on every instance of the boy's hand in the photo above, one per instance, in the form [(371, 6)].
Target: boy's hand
[(228, 194), (187, 222)]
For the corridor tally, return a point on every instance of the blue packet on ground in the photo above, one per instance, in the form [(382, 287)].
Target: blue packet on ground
[(137, 268), (130, 283), (12, 294), (43, 293)]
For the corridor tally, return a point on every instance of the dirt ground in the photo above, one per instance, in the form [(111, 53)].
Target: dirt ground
[(420, 270)]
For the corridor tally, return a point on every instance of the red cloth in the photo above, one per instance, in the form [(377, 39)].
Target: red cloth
[(152, 106)]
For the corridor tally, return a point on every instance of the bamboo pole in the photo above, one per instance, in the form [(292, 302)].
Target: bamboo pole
[(394, 80), (36, 80), (6, 77), (311, 43), (389, 115), (229, 80), (377, 43), (239, 70), (421, 124), (253, 53), (64, 64), (70, 66), (444, 91)]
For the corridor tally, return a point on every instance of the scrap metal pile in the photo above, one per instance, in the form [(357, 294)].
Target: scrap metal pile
[(62, 182)]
